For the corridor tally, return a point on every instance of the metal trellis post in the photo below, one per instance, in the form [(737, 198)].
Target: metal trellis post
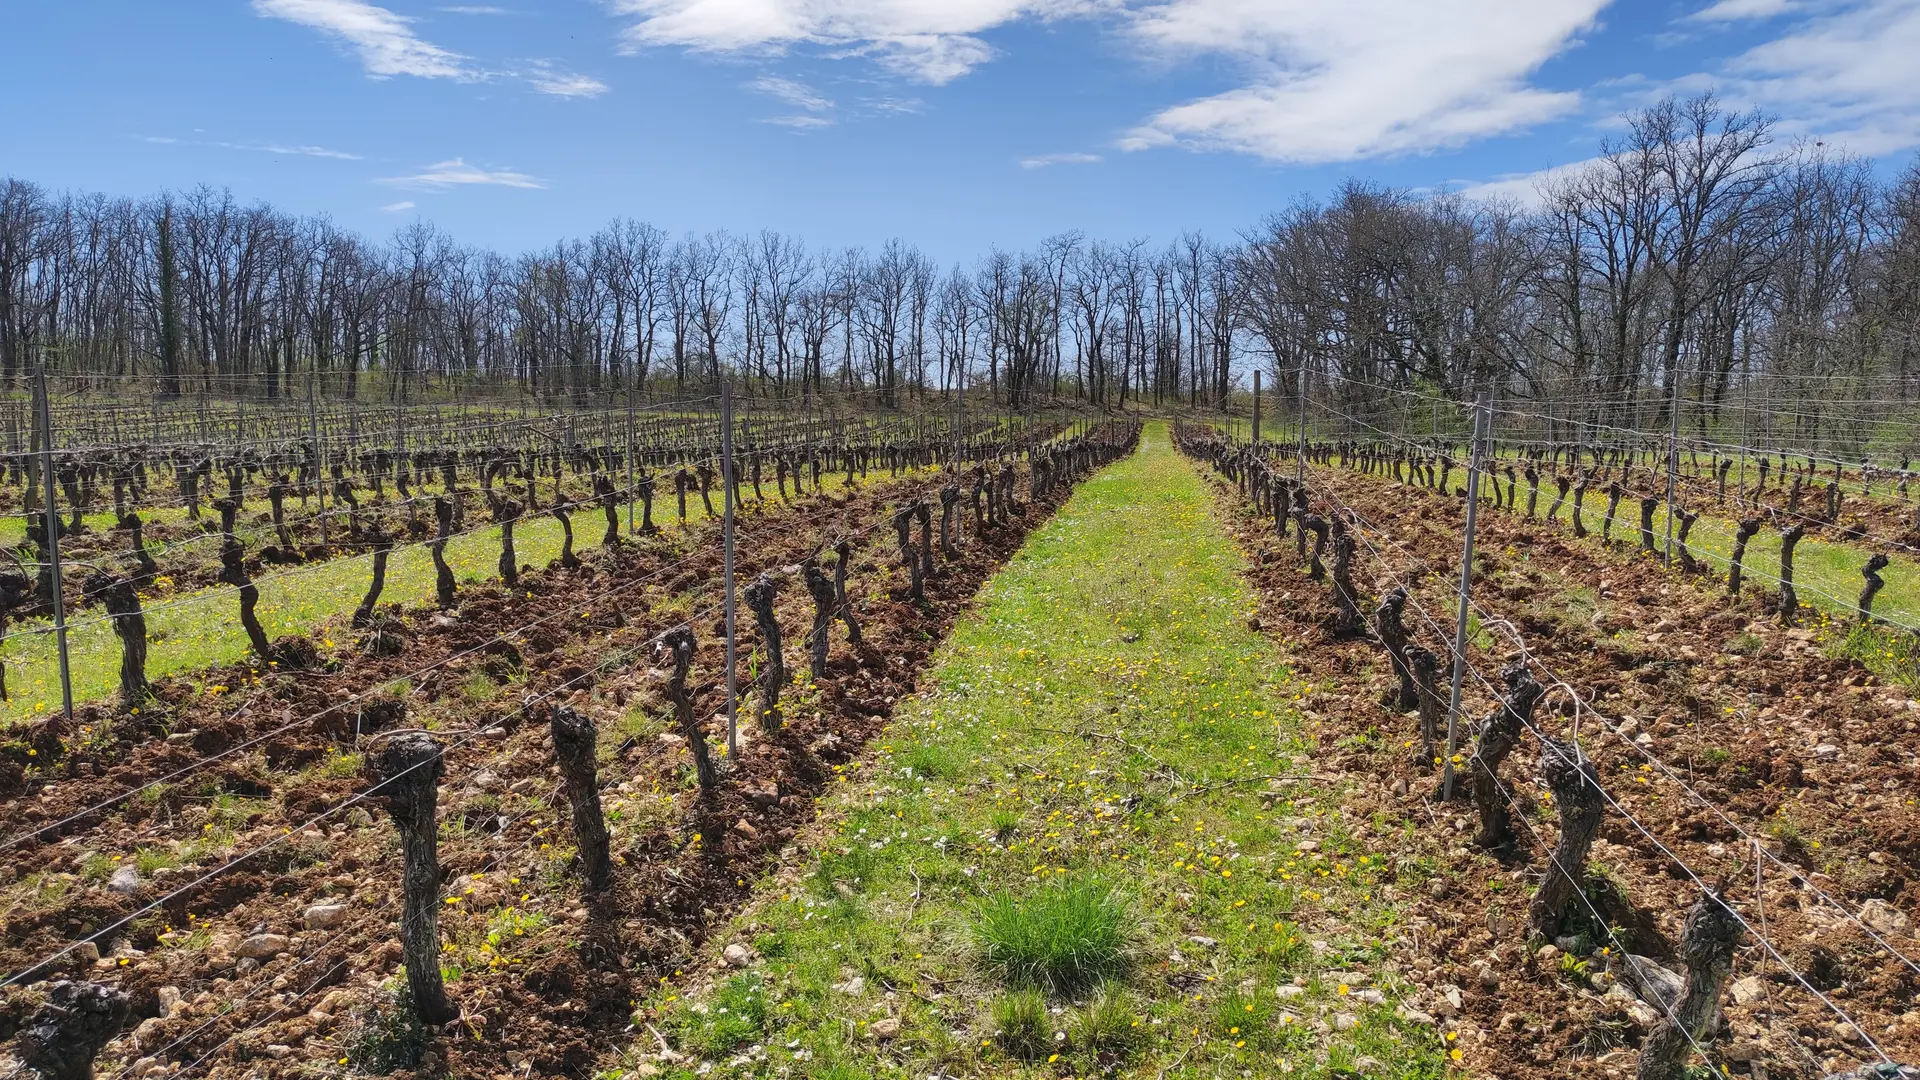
[(52, 525), (726, 490), (1475, 465), (1256, 408)]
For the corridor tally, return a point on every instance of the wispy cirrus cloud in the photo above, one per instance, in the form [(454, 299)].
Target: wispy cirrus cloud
[(455, 172), (548, 79), (793, 92), (1727, 11), (383, 40), (282, 149), (400, 207), (931, 41), (1042, 161), (816, 108)]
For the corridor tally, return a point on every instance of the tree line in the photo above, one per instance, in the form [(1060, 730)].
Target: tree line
[(1696, 257)]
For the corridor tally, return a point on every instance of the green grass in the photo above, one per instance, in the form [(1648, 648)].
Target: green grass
[(1068, 934), (1826, 573), (194, 630), (1115, 722)]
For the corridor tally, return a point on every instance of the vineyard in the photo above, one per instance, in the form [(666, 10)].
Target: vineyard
[(675, 740), (1660, 762)]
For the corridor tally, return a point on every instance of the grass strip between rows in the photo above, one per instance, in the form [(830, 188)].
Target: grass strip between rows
[(1072, 855)]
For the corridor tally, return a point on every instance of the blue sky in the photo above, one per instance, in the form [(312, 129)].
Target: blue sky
[(955, 124)]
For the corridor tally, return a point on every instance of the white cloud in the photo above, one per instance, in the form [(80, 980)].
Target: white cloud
[(385, 41), (931, 41), (547, 79), (457, 173), (1044, 160), (1845, 74), (303, 151), (1726, 11), (1369, 78), (1527, 189), (281, 149), (398, 208), (801, 121), (1320, 81), (793, 92)]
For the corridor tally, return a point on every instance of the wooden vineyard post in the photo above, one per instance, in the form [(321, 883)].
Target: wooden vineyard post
[(408, 770), (759, 597), (79, 1019), (52, 526), (1475, 466), (1576, 792), (1707, 940), (574, 740), (727, 492)]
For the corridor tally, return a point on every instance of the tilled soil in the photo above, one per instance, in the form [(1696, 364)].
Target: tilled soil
[(551, 997), (1714, 728)]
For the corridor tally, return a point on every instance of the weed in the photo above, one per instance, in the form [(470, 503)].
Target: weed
[(1107, 1025), (1005, 823), (1021, 1024), (387, 1036), (1064, 936), (1574, 969)]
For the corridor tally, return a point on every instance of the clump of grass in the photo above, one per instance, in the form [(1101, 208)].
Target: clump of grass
[(387, 1036), (1108, 1025), (1067, 935), (1020, 1023), (1005, 823)]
